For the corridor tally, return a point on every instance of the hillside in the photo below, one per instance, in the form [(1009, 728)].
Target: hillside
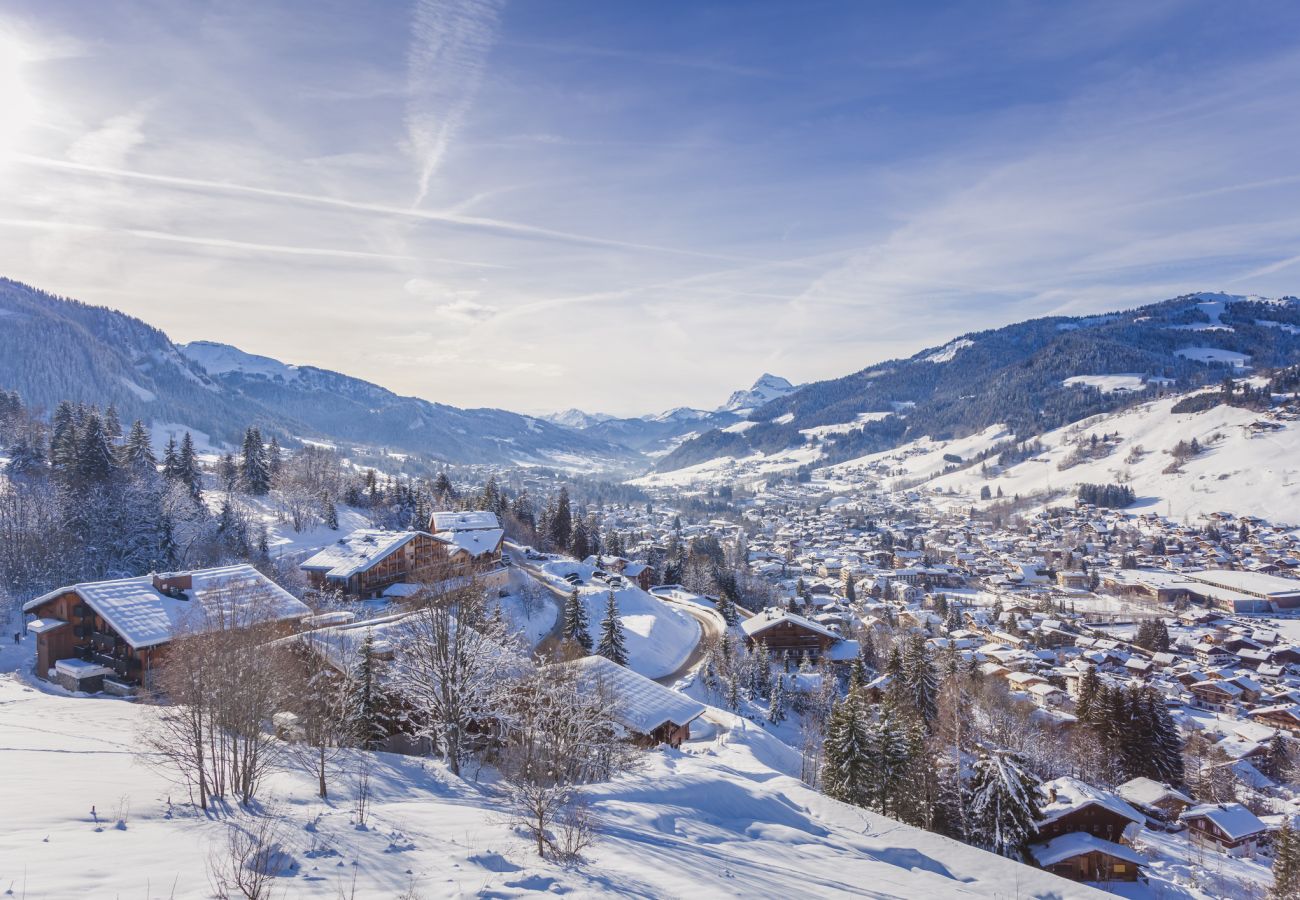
[(53, 349), (721, 817), (1031, 377)]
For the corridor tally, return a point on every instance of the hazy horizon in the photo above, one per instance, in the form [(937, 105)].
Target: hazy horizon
[(626, 210)]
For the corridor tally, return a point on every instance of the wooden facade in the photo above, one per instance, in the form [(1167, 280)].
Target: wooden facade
[(89, 637), (1091, 818), (1095, 866), (790, 638), (421, 560)]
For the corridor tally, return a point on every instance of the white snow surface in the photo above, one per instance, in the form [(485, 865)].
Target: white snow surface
[(658, 636), (949, 351), (220, 359), (1242, 470), (1215, 355), (724, 816), (1108, 384)]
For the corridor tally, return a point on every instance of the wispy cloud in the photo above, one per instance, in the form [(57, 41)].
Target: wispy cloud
[(450, 40)]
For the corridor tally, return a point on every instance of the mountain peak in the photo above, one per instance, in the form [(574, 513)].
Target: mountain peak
[(221, 359), (768, 387)]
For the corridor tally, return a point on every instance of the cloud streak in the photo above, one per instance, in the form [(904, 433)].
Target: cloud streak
[(450, 40)]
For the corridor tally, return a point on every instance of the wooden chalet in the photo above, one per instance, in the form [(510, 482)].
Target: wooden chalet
[(1075, 806), (1081, 856), (1159, 801), (109, 635), (650, 713), (474, 539), (1286, 716), (371, 562), (1228, 827), (786, 634)]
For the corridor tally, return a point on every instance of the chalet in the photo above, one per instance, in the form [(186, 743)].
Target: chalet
[(1158, 801), (1285, 715), (1075, 806), (1229, 827), (1081, 856), (1218, 696), (1073, 580), (109, 635), (371, 563), (650, 713), (474, 540), (786, 634)]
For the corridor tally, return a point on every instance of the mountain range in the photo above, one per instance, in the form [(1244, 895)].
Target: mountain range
[(1032, 376), (53, 348), (1029, 377)]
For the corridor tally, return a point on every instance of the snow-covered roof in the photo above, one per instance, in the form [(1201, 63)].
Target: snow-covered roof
[(1070, 794), (357, 552), (1232, 819), (464, 520), (41, 626), (770, 618), (146, 617), (643, 705), (475, 543), (1149, 792), (1076, 843)]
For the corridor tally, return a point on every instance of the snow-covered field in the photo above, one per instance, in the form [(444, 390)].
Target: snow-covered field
[(720, 817), (659, 637), (1108, 384)]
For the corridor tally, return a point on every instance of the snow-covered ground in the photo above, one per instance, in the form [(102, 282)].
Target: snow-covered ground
[(1244, 471), (529, 607), (659, 637), (1109, 384), (720, 817)]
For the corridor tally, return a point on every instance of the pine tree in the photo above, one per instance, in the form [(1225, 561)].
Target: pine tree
[(1088, 685), (581, 545), (63, 441), (1003, 803), (26, 457), (1286, 864), (1166, 742), (727, 609), (274, 459), (562, 522), (776, 708), (188, 470), (922, 681), (171, 464), (137, 452), (96, 463), (612, 645), (254, 472), (363, 701), (112, 424), (575, 621), (890, 760), (846, 753), (858, 675), (331, 514)]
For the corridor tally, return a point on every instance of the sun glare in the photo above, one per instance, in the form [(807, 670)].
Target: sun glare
[(17, 106)]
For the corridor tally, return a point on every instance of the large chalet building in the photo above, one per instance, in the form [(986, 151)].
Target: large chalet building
[(109, 635), (371, 563)]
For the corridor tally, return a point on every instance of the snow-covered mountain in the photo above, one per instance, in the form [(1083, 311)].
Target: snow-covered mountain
[(575, 418), (768, 388), (1031, 376), (54, 349)]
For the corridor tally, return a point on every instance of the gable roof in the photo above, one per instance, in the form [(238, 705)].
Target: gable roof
[(643, 705), (475, 543), (1149, 792), (360, 551), (146, 617), (1232, 819), (770, 618), (1076, 843), (1072, 794), (464, 520)]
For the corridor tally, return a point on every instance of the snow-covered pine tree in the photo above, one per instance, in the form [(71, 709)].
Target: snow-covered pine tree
[(846, 752), (188, 469), (1003, 808), (363, 706), (96, 463), (137, 452), (858, 675), (331, 514), (612, 646), (1286, 864), (921, 679), (171, 461), (776, 707), (1088, 684), (254, 471), (575, 621), (1166, 741)]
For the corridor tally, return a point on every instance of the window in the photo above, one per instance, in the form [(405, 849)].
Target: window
[(1120, 868)]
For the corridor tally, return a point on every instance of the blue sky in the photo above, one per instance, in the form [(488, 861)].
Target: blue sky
[(627, 207)]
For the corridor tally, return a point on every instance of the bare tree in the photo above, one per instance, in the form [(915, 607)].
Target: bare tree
[(561, 735), (453, 667), (250, 859), (315, 692)]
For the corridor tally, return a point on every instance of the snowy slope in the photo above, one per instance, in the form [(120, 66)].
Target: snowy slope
[(1242, 470), (722, 817), (659, 637)]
